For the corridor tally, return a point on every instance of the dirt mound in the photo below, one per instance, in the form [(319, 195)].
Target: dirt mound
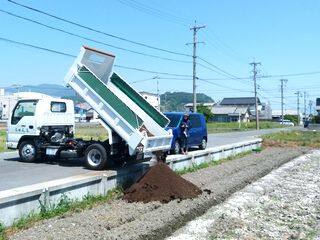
[(162, 184)]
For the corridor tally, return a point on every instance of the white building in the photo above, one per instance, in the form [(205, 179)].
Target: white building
[(7, 103), (276, 114), (152, 98), (189, 106)]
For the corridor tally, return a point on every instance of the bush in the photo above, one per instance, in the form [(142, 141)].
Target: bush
[(292, 118), (316, 119), (2, 232), (206, 111)]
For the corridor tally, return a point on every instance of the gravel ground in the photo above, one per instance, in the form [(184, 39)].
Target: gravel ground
[(285, 204), (121, 220)]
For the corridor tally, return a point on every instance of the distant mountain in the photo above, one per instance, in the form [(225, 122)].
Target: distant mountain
[(170, 101), (49, 89), (175, 101)]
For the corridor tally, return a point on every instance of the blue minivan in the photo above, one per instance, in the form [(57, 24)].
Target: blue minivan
[(198, 130)]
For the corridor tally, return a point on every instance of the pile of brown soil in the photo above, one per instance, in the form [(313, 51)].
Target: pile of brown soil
[(162, 184)]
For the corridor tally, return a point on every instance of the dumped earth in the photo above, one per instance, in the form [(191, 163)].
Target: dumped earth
[(162, 184)]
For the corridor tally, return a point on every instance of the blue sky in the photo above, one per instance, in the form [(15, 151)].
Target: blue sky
[(283, 35)]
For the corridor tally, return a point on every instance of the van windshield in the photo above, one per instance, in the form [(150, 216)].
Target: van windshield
[(174, 119), (23, 109)]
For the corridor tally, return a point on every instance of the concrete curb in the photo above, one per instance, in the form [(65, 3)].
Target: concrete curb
[(18, 202)]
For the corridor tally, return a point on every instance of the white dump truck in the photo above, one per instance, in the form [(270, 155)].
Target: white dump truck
[(44, 126)]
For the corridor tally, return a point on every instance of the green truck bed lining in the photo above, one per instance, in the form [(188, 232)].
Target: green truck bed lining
[(110, 98), (140, 101)]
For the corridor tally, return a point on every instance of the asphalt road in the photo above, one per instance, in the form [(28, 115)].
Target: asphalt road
[(17, 174)]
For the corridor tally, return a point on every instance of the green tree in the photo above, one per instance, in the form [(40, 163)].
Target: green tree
[(292, 118), (206, 111), (175, 101)]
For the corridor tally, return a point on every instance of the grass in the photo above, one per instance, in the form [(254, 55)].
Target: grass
[(196, 168), (2, 140), (96, 132), (219, 127), (293, 138), (65, 205)]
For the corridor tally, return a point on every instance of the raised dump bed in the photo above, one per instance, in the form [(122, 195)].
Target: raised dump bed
[(122, 110)]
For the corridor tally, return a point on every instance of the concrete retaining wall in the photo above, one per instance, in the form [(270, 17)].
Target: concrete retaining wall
[(18, 202)]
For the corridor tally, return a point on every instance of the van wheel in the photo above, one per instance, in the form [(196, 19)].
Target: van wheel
[(203, 144), (96, 157), (177, 148), (28, 151)]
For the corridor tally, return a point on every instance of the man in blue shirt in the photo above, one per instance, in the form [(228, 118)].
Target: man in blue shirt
[(184, 133)]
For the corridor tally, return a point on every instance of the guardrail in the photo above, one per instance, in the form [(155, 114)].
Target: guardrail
[(18, 202)]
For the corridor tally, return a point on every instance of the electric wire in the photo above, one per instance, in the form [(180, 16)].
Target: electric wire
[(74, 56), (96, 30), (90, 39), (154, 12)]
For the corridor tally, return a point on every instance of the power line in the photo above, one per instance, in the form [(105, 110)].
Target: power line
[(291, 74), (107, 34), (143, 7), (150, 71), (218, 68), (215, 42), (73, 56), (157, 77), (97, 30), (223, 71), (90, 39), (37, 47), (269, 76), (155, 12), (223, 86)]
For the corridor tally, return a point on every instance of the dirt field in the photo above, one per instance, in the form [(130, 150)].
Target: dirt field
[(121, 220)]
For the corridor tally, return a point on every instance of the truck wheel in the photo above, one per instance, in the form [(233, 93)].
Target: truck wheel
[(203, 144), (28, 151), (176, 149), (96, 157)]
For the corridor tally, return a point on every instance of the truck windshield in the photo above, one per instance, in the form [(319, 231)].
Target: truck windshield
[(174, 119), (23, 109)]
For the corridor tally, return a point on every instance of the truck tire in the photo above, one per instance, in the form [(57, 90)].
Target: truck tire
[(96, 157), (203, 144), (28, 151)]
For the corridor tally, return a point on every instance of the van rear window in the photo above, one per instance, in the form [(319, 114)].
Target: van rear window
[(174, 119), (58, 107)]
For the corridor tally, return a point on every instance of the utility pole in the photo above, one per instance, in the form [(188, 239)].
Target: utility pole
[(158, 95), (298, 93), (310, 107), (283, 81), (165, 101), (195, 29), (305, 105), (254, 64)]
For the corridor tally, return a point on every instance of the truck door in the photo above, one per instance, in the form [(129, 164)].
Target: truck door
[(22, 120)]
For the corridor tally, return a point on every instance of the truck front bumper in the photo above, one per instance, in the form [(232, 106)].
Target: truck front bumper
[(12, 145)]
